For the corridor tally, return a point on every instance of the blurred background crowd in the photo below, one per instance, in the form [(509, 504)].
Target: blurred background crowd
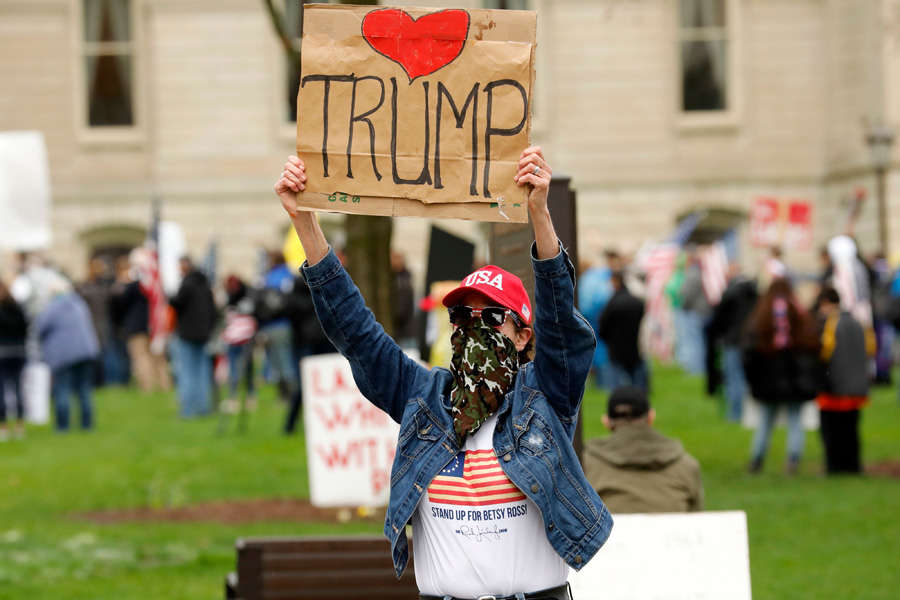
[(716, 146), (782, 336)]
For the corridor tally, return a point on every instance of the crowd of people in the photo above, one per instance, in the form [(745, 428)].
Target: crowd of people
[(107, 330), (759, 338)]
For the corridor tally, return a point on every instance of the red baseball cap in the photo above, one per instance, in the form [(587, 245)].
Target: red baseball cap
[(499, 285)]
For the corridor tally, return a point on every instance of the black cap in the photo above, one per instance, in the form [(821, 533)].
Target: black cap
[(627, 402)]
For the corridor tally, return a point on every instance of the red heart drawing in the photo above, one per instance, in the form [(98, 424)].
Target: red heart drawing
[(421, 46)]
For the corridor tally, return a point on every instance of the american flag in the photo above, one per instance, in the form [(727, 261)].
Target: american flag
[(714, 271), (658, 266), (151, 285), (473, 478)]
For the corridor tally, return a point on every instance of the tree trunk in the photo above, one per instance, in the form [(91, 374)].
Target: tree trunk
[(369, 263), (368, 238)]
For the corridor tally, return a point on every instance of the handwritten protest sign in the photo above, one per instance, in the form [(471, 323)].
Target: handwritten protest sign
[(350, 443), (414, 111)]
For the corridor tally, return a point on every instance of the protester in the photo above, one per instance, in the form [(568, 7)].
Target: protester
[(403, 311), (725, 327), (275, 325), (309, 340), (851, 278), (239, 335), (69, 346), (637, 469), (494, 403), (594, 291), (130, 312), (13, 331), (619, 328), (195, 311), (781, 368), (695, 314), (846, 349), (826, 269), (880, 282), (96, 291)]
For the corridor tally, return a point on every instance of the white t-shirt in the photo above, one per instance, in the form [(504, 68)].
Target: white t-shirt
[(476, 533)]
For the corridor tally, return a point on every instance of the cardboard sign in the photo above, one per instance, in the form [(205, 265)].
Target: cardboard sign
[(350, 443), (415, 111), (690, 556), (764, 222)]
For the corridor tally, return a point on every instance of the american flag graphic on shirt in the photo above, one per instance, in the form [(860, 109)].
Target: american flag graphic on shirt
[(473, 478)]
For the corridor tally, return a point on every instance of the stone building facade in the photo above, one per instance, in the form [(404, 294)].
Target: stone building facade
[(785, 90)]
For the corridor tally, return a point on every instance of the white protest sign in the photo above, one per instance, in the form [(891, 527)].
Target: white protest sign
[(350, 443), (36, 392), (687, 556), (24, 191)]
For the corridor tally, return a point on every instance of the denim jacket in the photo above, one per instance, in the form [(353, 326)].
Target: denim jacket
[(535, 422)]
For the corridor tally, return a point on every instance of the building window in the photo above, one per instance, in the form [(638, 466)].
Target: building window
[(108, 63), (704, 54)]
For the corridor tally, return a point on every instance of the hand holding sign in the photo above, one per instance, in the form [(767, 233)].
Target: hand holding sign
[(415, 113), (534, 171)]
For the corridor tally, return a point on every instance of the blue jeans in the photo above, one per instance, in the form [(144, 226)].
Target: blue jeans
[(11, 380), (116, 368), (619, 376), (240, 364), (763, 434), (194, 371), (77, 378), (735, 383), (280, 350), (690, 345)]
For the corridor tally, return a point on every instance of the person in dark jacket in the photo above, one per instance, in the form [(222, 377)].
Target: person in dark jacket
[(637, 469), (309, 340), (130, 311), (195, 311), (96, 293), (239, 337), (846, 352), (404, 308), (619, 328), (13, 330), (69, 346), (725, 328), (275, 332), (781, 368)]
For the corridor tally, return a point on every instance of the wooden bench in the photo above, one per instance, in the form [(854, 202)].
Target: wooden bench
[(346, 567)]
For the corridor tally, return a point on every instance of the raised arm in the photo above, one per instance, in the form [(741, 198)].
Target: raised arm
[(536, 173), (292, 181), (564, 339), (382, 371)]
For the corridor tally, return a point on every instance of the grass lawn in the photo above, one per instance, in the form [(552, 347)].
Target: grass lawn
[(810, 537)]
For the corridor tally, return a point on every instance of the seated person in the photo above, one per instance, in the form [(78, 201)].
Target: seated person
[(637, 469)]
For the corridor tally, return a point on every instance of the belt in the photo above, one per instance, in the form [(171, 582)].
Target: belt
[(558, 593)]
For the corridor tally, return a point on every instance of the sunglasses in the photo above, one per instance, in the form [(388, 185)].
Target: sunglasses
[(493, 316)]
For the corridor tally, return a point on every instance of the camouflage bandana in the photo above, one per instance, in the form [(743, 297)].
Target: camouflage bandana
[(484, 367)]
